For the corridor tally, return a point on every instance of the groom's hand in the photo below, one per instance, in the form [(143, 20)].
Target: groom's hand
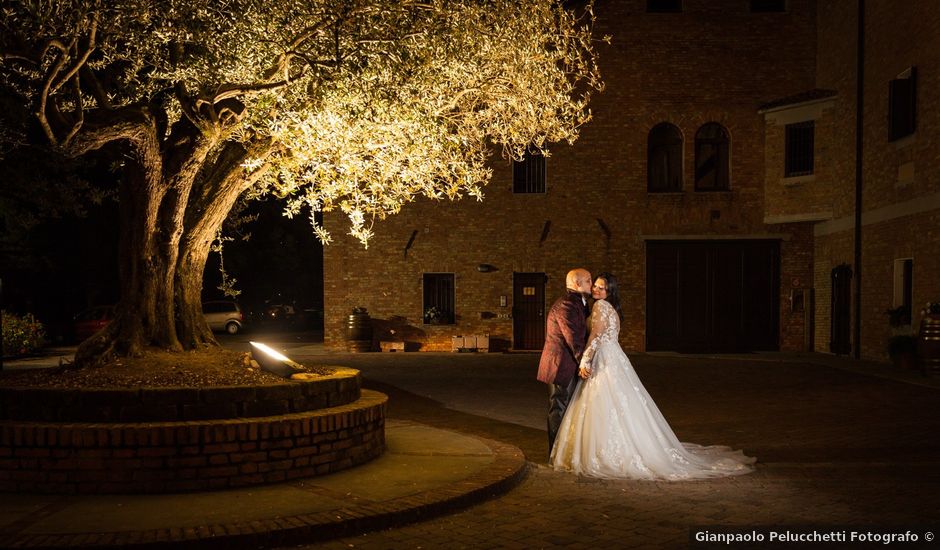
[(584, 373)]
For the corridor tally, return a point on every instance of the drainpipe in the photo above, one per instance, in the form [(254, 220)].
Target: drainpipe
[(859, 141)]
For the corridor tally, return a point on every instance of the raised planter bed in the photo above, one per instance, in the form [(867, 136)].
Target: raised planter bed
[(162, 404), (292, 430)]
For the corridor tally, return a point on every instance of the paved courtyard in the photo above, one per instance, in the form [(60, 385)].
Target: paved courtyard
[(835, 447)]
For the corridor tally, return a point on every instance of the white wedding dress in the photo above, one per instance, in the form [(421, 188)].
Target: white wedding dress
[(612, 428)]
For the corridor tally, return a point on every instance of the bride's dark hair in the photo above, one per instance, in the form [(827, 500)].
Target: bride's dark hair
[(613, 291)]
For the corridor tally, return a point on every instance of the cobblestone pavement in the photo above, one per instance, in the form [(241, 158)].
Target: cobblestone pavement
[(834, 448)]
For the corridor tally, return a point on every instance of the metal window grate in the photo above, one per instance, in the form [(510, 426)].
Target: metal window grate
[(439, 299), (799, 149), (528, 176)]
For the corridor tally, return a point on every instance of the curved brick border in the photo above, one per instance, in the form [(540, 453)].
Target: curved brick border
[(167, 404), (189, 456), (504, 473)]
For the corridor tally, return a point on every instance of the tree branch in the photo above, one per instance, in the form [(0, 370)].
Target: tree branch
[(225, 178), (84, 57), (133, 123), (81, 112), (231, 91), (182, 95), (282, 64), (14, 56), (101, 97), (44, 95)]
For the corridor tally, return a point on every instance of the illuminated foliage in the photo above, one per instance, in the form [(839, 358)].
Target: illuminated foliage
[(357, 105), (361, 105)]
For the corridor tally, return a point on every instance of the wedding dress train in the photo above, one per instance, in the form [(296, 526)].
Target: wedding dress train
[(613, 429)]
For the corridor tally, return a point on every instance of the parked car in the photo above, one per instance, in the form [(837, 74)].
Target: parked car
[(91, 321), (223, 315), (279, 312)]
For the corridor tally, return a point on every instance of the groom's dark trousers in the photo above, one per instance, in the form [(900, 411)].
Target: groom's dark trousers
[(565, 338), (558, 398)]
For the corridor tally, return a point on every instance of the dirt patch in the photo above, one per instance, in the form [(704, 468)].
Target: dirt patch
[(156, 368)]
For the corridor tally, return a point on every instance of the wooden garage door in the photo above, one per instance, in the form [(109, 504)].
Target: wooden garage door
[(712, 295)]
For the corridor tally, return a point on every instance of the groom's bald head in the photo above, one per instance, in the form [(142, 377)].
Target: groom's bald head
[(578, 280)]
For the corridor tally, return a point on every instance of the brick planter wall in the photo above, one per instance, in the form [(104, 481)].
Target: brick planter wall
[(156, 404), (162, 457), (161, 440)]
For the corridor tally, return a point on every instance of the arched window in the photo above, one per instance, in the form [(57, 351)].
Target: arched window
[(711, 158), (664, 159)]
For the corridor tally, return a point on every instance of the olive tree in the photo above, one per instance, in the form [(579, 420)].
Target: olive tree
[(357, 105)]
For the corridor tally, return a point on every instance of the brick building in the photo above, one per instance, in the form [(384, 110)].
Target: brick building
[(717, 181)]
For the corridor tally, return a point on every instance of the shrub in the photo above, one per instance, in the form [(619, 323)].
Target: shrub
[(22, 335)]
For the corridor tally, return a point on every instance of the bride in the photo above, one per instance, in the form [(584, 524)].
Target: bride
[(612, 428)]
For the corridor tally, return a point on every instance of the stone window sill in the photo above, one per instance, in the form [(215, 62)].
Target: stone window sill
[(904, 142), (797, 180)]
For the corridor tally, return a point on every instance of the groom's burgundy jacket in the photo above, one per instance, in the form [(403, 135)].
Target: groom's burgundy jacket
[(565, 338)]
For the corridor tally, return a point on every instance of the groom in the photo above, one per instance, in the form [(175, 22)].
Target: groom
[(565, 338)]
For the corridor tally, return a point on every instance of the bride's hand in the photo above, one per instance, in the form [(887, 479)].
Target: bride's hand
[(584, 373)]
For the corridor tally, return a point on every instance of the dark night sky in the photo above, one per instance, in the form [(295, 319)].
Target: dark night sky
[(65, 266), (282, 262)]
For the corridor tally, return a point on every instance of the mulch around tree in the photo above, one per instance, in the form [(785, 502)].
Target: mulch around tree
[(156, 368)]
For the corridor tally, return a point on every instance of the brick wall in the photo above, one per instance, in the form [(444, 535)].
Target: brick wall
[(835, 70), (715, 62), (900, 214), (189, 456), (796, 274), (801, 198)]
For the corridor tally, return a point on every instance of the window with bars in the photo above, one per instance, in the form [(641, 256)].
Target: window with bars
[(901, 103), (439, 306), (711, 158), (768, 6), (663, 6), (664, 159), (528, 175), (799, 149)]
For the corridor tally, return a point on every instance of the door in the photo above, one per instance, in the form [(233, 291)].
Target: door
[(840, 340), (528, 310), (712, 295)]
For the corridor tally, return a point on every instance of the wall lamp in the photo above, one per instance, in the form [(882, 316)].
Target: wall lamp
[(273, 361), (486, 268)]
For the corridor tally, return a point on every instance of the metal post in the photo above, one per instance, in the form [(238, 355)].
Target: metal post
[(859, 142), (1, 325)]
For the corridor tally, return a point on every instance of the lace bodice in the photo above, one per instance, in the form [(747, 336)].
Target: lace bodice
[(605, 327)]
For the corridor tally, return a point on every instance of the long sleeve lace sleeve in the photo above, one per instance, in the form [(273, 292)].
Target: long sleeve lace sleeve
[(603, 328)]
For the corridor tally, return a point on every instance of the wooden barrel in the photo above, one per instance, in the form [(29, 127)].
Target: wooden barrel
[(359, 331), (928, 344)]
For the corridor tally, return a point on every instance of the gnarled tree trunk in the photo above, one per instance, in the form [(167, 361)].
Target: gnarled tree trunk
[(165, 240), (219, 187)]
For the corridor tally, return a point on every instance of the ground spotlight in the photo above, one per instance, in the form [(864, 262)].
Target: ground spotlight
[(273, 361)]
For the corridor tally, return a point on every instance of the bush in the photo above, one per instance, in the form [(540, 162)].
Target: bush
[(22, 335)]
